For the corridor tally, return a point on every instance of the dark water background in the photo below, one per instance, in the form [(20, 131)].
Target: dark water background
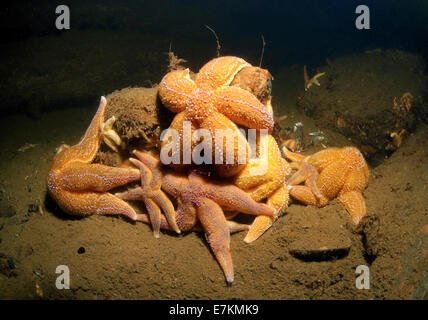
[(296, 32)]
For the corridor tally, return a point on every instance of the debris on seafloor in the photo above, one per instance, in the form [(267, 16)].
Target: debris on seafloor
[(404, 103), (290, 144), (174, 62), (317, 138), (397, 138), (26, 147), (361, 110), (299, 134), (39, 290), (110, 137), (313, 80)]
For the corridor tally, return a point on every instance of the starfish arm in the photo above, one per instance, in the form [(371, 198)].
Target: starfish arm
[(146, 175), (306, 173), (176, 90), (324, 158), (88, 203), (131, 195), (356, 180), (219, 72), (264, 191), (155, 216), (86, 149), (96, 177), (217, 230), (229, 197), (315, 77), (303, 194), (168, 209), (354, 203), (305, 76), (293, 156), (179, 143), (278, 201), (230, 149), (243, 108), (247, 181), (150, 161), (264, 175), (185, 215), (332, 178), (257, 170), (237, 227), (154, 165), (299, 176)]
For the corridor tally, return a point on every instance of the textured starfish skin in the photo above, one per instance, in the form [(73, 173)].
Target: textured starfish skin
[(202, 199), (79, 187), (151, 194), (343, 173), (264, 177), (305, 173), (212, 104)]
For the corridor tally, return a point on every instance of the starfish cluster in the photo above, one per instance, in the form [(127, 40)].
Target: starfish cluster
[(187, 197), (210, 103)]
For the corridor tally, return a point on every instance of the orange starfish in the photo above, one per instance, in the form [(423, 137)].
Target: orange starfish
[(210, 103), (262, 178), (343, 172), (202, 199), (150, 192), (80, 187)]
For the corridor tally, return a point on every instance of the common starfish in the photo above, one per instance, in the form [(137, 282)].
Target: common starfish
[(150, 192), (313, 80), (343, 172), (210, 103), (80, 187), (262, 178), (202, 199)]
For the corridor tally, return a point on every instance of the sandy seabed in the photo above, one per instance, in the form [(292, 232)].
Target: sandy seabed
[(112, 258)]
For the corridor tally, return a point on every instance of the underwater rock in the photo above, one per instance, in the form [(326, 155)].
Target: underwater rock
[(373, 98), (138, 114)]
